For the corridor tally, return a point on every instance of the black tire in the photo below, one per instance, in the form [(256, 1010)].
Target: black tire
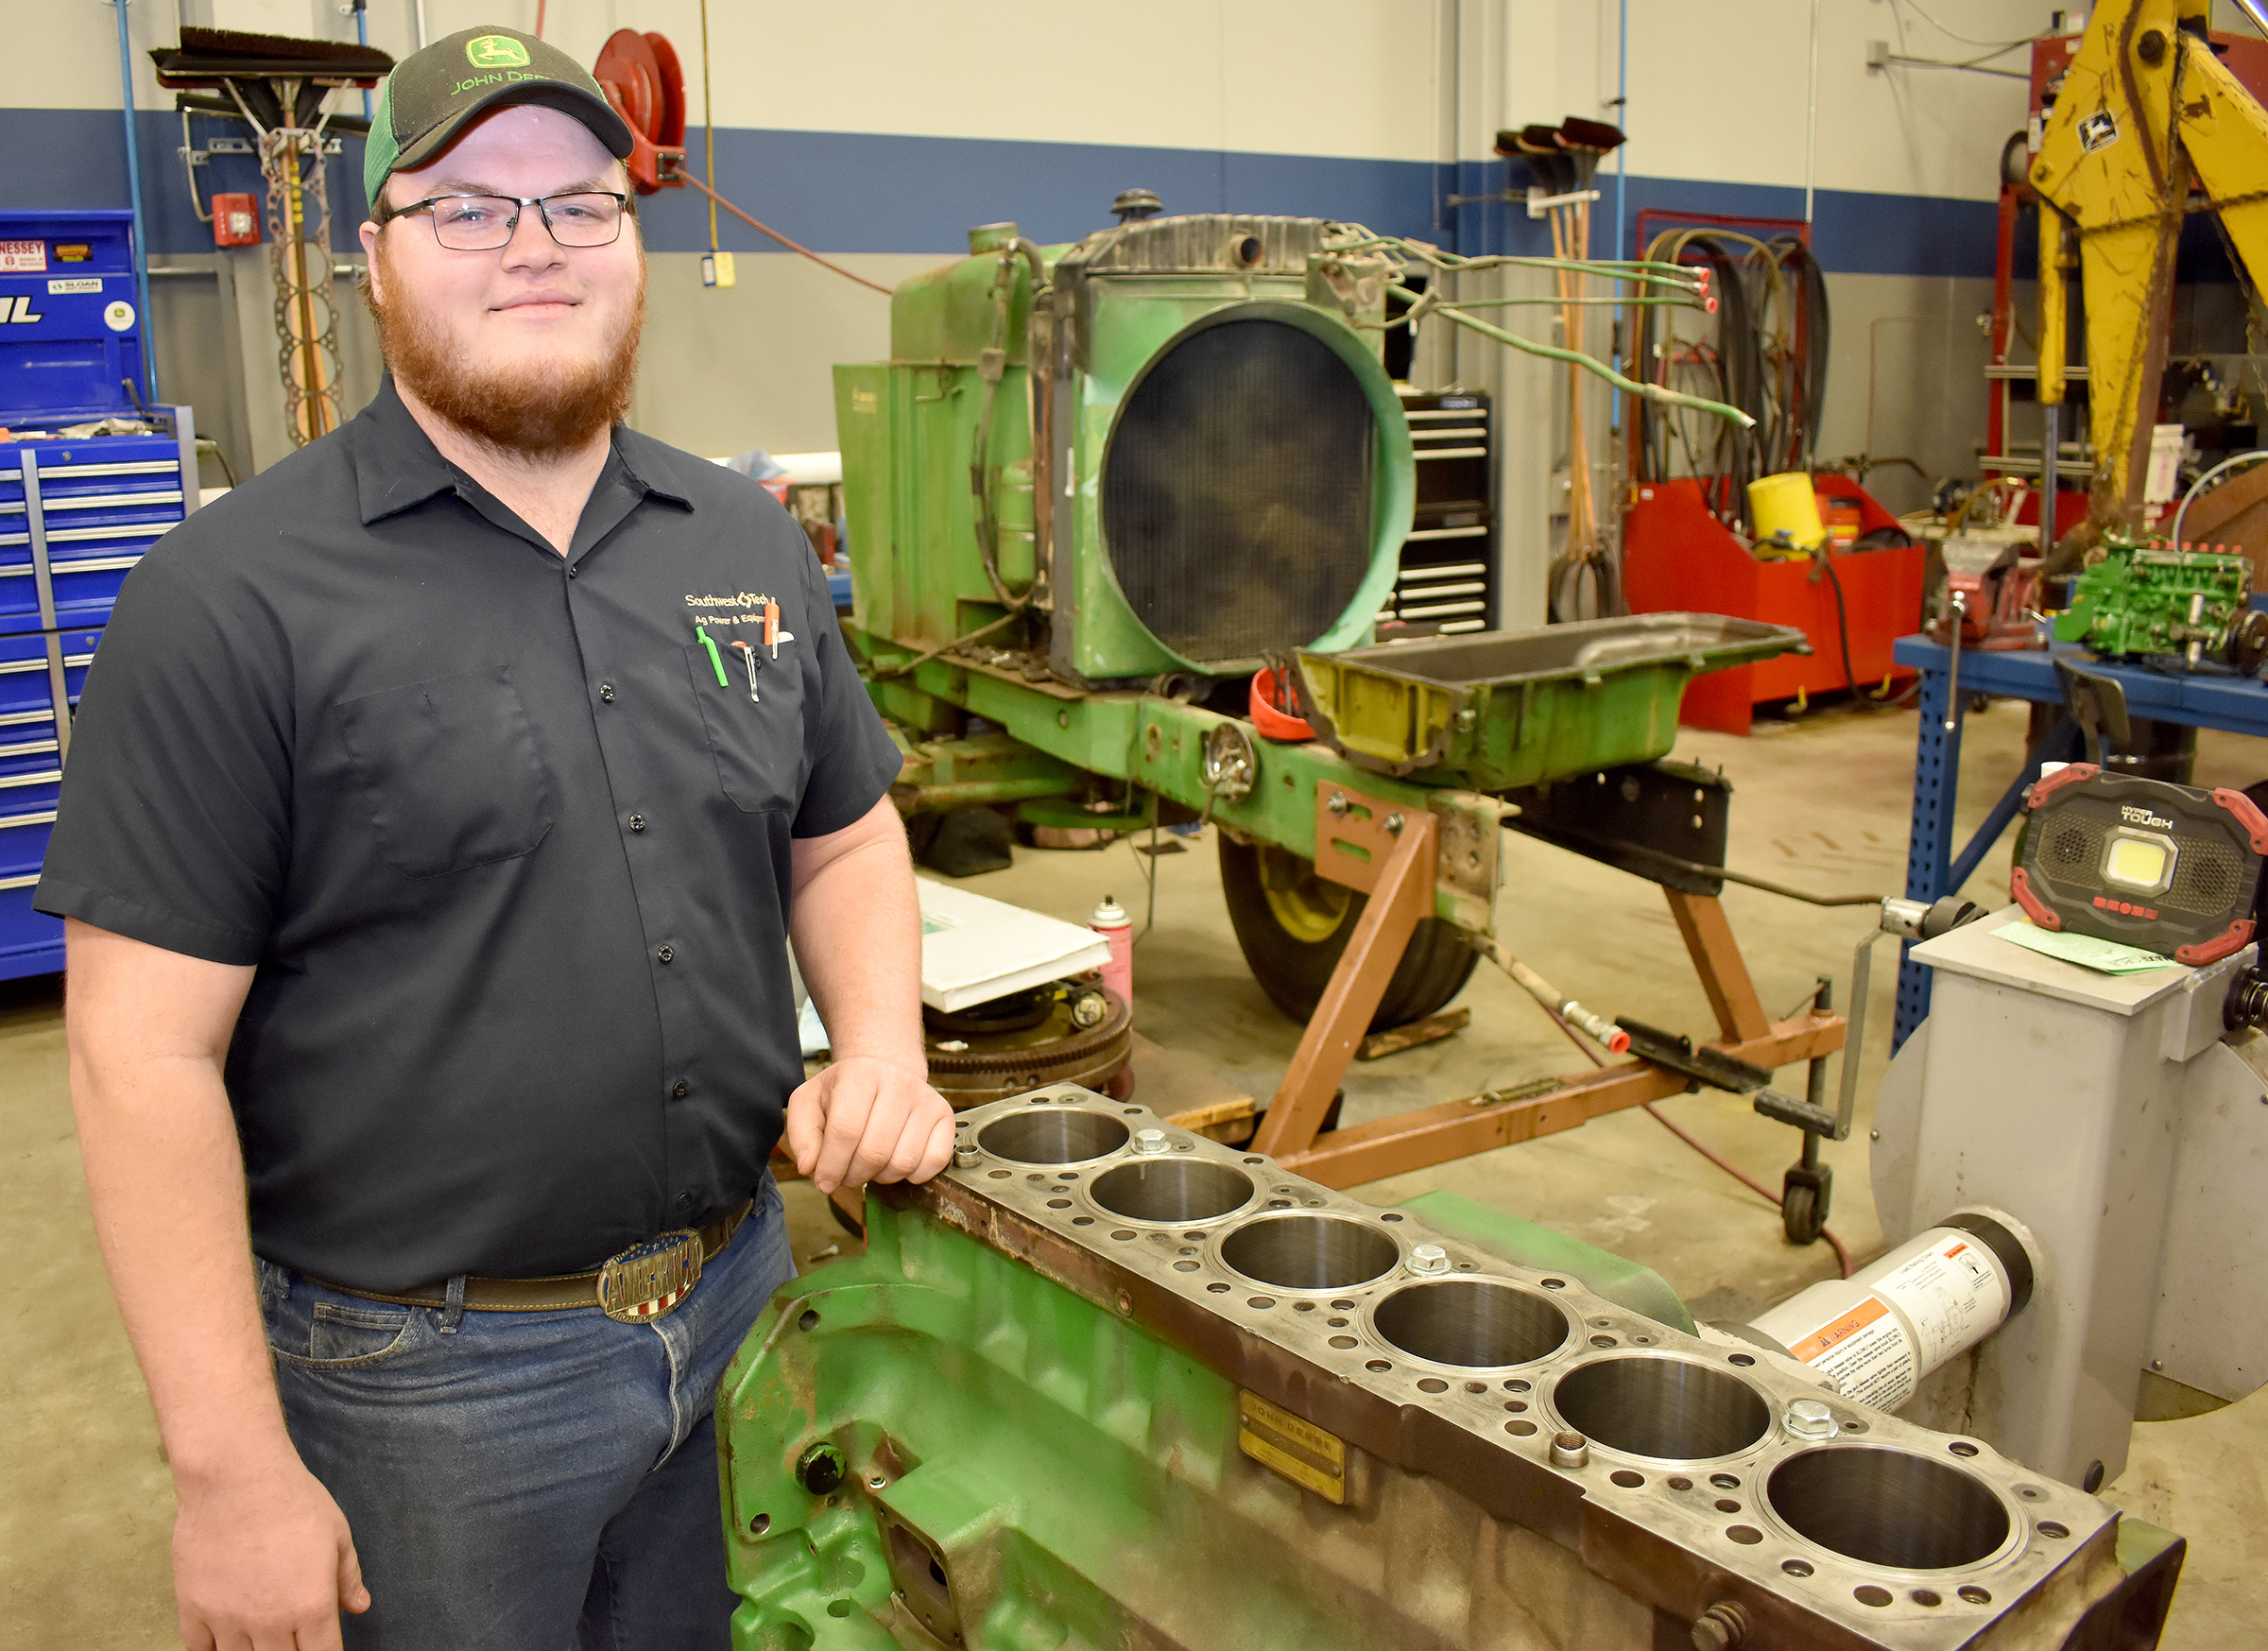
[(1293, 968)]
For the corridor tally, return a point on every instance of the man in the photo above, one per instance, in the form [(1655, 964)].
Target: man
[(437, 817)]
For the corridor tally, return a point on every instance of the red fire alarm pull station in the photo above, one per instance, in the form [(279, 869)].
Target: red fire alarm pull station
[(236, 220)]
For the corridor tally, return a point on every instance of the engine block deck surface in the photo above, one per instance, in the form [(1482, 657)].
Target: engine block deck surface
[(1105, 1383)]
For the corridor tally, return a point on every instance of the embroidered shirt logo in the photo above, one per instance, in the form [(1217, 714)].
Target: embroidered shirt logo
[(742, 607)]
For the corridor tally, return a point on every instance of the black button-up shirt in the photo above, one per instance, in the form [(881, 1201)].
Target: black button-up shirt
[(505, 832)]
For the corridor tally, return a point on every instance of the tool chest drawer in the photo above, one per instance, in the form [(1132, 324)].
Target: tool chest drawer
[(23, 674), (92, 506)]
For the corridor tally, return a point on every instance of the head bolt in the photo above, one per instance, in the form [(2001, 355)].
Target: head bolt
[(1721, 1627), (966, 1156), (1429, 1258), (1151, 1140), (1570, 1450), (1809, 1419)]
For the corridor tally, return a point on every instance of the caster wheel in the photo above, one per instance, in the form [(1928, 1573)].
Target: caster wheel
[(1804, 1196)]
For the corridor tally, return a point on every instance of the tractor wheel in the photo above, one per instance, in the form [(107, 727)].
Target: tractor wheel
[(1291, 926)]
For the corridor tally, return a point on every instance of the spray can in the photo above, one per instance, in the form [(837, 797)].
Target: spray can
[(1111, 921)]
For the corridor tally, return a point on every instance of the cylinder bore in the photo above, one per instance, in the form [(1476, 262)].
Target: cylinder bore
[(1173, 1190), (1052, 1135), (1888, 1508), (1670, 1409), (1473, 1322), (1310, 1252)]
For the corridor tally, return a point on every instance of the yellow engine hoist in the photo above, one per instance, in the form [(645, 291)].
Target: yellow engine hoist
[(2145, 113)]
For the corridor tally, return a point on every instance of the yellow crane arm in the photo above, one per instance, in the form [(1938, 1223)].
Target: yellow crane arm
[(2109, 163), (2145, 105), (2225, 132)]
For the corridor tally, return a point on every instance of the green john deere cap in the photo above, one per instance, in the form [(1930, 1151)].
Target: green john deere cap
[(432, 96)]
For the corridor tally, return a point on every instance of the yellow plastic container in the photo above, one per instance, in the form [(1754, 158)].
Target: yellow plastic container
[(1785, 501)]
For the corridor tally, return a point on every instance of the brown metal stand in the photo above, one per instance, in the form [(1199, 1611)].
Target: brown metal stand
[(1400, 887), (1371, 845)]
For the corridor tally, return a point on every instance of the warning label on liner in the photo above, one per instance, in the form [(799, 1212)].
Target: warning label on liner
[(1864, 1350), (1934, 1305)]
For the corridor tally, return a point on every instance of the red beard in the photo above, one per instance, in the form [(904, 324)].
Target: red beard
[(535, 411)]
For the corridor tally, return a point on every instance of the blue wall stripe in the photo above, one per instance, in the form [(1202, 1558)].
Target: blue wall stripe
[(854, 192), (1853, 232)]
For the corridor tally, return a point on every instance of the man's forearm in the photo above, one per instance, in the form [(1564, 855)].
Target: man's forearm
[(166, 1181), (857, 928), (856, 924), (165, 1177)]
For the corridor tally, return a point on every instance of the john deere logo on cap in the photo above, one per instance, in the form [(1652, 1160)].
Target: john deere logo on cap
[(495, 51)]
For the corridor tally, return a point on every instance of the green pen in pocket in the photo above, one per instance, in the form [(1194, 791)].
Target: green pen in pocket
[(717, 661)]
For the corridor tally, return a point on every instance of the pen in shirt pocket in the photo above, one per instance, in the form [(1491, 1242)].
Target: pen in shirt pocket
[(715, 659), (754, 662)]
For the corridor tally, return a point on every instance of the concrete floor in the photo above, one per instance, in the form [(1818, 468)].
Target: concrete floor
[(1821, 803)]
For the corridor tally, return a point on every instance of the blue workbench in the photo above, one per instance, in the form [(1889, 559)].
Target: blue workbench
[(2231, 704)]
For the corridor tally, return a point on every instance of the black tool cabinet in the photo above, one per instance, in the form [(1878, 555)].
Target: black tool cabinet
[(1447, 582)]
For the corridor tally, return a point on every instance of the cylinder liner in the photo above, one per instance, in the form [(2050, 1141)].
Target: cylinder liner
[(1669, 1409)]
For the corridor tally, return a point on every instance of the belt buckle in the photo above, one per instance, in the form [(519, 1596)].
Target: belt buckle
[(647, 1280)]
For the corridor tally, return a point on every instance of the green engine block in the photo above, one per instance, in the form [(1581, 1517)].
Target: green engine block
[(1106, 1386), (2144, 599)]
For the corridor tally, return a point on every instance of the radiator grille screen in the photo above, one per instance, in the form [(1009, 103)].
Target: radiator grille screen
[(1236, 493)]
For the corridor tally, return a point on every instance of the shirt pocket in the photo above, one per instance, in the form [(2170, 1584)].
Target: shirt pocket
[(449, 771), (757, 739)]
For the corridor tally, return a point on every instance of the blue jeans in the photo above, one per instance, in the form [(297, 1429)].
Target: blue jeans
[(525, 1481)]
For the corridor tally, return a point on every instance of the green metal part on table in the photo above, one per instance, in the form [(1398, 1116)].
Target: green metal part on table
[(1105, 1384), (2151, 599)]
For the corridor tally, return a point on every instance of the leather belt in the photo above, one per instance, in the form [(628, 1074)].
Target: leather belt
[(641, 1284)]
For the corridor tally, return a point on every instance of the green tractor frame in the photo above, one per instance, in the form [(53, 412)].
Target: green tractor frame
[(1099, 485)]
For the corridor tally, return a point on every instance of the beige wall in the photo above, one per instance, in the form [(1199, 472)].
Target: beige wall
[(1717, 94), (1908, 351), (725, 370)]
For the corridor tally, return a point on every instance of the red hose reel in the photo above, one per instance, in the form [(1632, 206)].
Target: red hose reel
[(639, 76)]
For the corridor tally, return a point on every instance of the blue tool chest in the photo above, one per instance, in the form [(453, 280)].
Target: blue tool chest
[(76, 514), (71, 330)]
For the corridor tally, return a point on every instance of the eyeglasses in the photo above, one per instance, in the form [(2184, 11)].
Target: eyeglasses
[(482, 223)]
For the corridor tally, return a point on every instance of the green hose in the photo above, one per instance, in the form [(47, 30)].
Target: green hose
[(1652, 392)]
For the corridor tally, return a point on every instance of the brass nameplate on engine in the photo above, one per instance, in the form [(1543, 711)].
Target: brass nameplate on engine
[(1292, 1446)]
